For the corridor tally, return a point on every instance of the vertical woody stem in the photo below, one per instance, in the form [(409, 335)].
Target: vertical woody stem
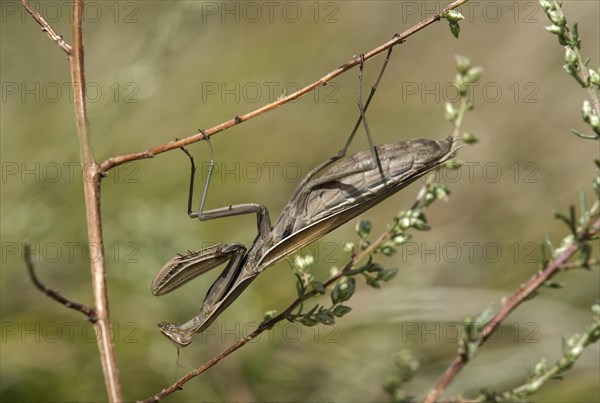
[(91, 186)]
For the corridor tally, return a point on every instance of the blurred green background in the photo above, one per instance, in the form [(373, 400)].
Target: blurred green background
[(160, 70)]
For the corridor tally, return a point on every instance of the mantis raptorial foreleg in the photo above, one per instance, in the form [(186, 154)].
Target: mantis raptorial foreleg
[(183, 268)]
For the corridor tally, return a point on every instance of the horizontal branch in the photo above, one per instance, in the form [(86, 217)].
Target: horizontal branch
[(398, 38)]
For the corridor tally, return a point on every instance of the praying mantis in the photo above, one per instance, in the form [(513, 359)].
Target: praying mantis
[(330, 195)]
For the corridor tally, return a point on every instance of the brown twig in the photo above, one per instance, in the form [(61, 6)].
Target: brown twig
[(151, 152), (91, 188), (91, 185), (588, 231), (56, 38), (54, 294)]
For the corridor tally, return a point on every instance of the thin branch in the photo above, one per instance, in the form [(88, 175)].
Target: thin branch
[(91, 186), (151, 152), (54, 294), (56, 38), (587, 232)]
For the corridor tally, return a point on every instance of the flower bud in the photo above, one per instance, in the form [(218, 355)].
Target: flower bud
[(557, 17), (555, 29), (594, 77), (453, 16), (473, 75), (546, 5), (570, 55), (463, 64)]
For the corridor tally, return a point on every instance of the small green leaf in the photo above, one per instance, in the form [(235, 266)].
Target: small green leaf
[(387, 275), (343, 290), (365, 267), (371, 282), (307, 321), (421, 225), (298, 311), (576, 42), (300, 289), (484, 317), (312, 310), (585, 136), (469, 138), (363, 228), (318, 286), (454, 28), (469, 329), (374, 268), (472, 350), (341, 310), (325, 317), (585, 253)]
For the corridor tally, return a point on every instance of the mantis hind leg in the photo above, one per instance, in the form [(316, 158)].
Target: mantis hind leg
[(362, 109)]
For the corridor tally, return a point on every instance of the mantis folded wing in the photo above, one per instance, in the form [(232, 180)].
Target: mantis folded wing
[(343, 189)]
